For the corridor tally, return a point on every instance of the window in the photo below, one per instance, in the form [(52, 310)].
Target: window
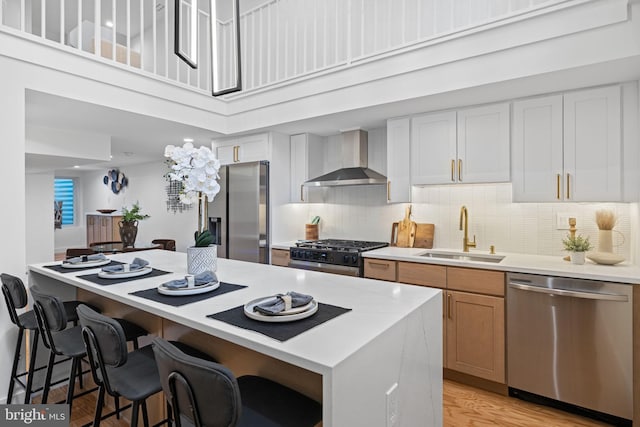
[(64, 191)]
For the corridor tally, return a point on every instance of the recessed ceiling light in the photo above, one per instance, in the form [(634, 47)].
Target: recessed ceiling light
[(110, 156), (188, 139), (109, 24), (76, 166)]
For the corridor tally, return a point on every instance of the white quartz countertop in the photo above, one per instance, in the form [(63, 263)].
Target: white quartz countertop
[(375, 305), (520, 263)]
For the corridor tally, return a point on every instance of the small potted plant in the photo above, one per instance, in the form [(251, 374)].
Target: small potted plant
[(203, 255), (577, 245), (129, 224)]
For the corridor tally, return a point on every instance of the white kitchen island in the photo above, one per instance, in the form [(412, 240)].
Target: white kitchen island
[(379, 364)]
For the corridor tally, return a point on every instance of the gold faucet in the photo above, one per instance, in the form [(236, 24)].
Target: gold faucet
[(466, 244)]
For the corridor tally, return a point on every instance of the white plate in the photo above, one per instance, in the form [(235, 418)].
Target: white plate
[(125, 274), (207, 287), (309, 310), (86, 264)]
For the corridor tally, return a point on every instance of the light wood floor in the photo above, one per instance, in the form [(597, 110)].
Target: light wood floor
[(463, 406)]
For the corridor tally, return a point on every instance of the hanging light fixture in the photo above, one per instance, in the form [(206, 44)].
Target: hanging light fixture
[(224, 18)]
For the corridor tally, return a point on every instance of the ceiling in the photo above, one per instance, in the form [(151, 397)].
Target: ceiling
[(135, 138)]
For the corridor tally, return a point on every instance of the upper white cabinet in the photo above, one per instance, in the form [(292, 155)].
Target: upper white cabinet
[(467, 146), (249, 148), (483, 144), (433, 148), (398, 158), (537, 149), (592, 145), (568, 147), (306, 163)]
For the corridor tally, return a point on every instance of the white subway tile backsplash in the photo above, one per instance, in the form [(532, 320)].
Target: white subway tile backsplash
[(360, 212)]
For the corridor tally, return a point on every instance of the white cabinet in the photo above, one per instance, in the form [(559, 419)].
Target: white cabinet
[(568, 147), (306, 163), (592, 145), (483, 144), (398, 159), (433, 148), (467, 146), (249, 148), (537, 149)]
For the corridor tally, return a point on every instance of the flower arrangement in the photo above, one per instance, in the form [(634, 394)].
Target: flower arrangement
[(576, 243), (197, 170)]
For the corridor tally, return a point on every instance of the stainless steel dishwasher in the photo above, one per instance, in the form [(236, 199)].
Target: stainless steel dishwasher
[(571, 340)]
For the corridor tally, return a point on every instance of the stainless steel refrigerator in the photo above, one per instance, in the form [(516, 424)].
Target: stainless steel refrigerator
[(239, 214)]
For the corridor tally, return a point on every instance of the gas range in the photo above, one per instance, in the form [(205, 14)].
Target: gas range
[(332, 255)]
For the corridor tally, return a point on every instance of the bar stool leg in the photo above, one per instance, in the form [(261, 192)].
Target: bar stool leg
[(72, 382), (134, 414), (47, 380), (14, 369), (99, 404), (79, 374), (145, 414), (35, 334)]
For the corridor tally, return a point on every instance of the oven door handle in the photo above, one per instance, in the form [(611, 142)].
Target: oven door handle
[(329, 268), (569, 293)]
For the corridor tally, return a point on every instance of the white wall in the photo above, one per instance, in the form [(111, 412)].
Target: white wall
[(146, 186), (39, 217)]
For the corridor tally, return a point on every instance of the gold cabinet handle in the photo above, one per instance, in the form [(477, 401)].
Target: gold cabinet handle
[(558, 186), (449, 306), (453, 166), (568, 187), (388, 191), (235, 154), (302, 192), (460, 170)]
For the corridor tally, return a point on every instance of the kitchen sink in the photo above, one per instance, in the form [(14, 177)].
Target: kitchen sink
[(463, 256)]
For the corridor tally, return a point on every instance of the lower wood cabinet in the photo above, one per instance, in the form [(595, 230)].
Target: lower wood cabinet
[(473, 312), (475, 335), (103, 228), (381, 269), (280, 257)]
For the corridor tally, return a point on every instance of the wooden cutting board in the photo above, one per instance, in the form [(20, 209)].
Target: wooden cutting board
[(406, 231), (424, 236)]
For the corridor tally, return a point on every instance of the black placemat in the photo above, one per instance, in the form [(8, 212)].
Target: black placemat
[(281, 331), (60, 269), (177, 301), (105, 282)]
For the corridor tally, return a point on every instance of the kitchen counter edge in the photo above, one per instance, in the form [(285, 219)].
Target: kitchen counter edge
[(519, 263)]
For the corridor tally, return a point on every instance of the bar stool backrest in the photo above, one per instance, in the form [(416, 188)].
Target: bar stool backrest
[(15, 295), (204, 392)]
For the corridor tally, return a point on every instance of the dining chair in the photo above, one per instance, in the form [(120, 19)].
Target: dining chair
[(15, 296), (132, 375), (208, 394), (74, 252), (167, 244), (67, 342)]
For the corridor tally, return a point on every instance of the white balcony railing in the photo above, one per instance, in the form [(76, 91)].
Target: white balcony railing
[(280, 39)]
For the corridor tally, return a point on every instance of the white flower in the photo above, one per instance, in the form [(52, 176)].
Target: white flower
[(197, 170)]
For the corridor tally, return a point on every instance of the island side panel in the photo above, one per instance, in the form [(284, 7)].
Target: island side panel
[(408, 354)]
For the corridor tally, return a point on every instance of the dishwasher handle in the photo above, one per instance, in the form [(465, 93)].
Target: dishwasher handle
[(568, 293)]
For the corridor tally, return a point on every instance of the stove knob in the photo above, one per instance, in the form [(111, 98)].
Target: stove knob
[(345, 259), (323, 256), (294, 254), (354, 259), (306, 255)]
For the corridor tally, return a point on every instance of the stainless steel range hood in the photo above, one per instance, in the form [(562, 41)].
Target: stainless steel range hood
[(355, 172)]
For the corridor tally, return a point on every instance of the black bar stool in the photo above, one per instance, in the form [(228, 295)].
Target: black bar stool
[(63, 341), (15, 296), (132, 375), (208, 394)]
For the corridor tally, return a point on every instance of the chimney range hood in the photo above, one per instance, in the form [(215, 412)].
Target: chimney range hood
[(355, 172)]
